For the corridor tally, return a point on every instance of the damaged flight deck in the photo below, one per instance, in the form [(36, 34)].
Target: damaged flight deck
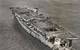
[(40, 26)]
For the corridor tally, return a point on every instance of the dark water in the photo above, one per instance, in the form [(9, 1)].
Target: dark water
[(65, 12)]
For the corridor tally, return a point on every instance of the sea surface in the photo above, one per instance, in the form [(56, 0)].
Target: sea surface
[(64, 12)]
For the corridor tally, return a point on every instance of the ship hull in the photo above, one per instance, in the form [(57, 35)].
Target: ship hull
[(31, 33), (31, 29)]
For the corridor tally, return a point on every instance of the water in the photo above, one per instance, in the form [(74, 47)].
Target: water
[(64, 12)]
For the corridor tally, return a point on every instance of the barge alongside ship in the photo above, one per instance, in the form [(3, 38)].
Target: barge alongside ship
[(40, 27)]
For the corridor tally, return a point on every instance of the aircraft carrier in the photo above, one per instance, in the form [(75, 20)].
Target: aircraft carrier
[(41, 27)]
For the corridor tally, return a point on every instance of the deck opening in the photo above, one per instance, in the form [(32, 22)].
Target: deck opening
[(51, 29), (52, 40)]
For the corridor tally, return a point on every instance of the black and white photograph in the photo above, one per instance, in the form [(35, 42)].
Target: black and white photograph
[(39, 24)]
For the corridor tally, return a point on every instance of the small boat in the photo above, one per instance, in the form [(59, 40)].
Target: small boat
[(41, 27)]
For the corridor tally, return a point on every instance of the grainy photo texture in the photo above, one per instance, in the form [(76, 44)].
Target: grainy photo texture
[(39, 24)]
